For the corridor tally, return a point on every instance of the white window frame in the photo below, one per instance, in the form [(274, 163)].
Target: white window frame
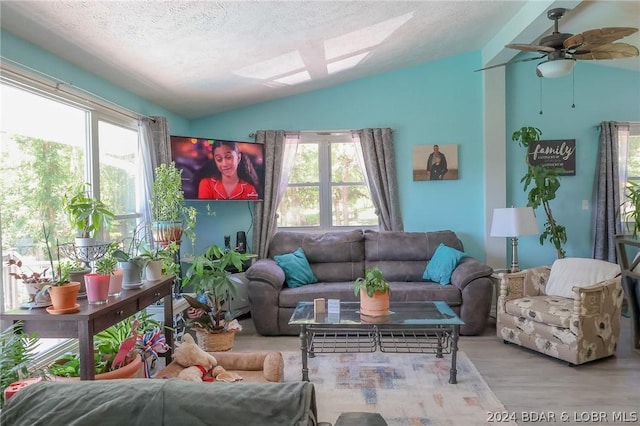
[(95, 113), (324, 141)]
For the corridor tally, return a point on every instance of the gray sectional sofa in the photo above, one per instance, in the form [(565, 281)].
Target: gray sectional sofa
[(338, 258)]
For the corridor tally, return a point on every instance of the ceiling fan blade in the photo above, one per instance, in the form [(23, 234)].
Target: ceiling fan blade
[(606, 51), (511, 62), (531, 48), (598, 36)]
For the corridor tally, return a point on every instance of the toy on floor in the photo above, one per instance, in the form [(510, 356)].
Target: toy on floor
[(199, 364)]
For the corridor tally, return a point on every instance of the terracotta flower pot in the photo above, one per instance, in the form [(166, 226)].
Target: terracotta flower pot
[(375, 306), (129, 371), (64, 297), (97, 288)]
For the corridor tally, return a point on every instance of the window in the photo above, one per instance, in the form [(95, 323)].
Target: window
[(629, 162), (48, 144), (327, 187)]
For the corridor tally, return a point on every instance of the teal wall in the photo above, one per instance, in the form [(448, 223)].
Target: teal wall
[(601, 94), (23, 52), (436, 102)]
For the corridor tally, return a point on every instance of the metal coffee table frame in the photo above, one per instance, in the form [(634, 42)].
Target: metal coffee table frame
[(411, 327)]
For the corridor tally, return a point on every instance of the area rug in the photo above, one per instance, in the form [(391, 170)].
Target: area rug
[(406, 389)]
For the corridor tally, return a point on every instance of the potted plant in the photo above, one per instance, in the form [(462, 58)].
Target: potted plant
[(631, 207), (33, 281), (544, 185), (98, 282), (160, 261), (63, 291), (76, 272), (130, 260), (17, 350), (85, 213), (132, 338), (374, 293), (171, 218), (214, 287)]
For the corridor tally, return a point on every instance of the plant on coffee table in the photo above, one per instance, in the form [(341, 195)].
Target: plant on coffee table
[(374, 293)]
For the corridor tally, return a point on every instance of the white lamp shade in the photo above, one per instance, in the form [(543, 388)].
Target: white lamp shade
[(514, 222), (556, 68)]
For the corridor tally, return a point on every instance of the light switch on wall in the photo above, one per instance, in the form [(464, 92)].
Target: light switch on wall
[(585, 204)]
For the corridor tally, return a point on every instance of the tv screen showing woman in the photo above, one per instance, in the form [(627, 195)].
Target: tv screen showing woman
[(217, 169)]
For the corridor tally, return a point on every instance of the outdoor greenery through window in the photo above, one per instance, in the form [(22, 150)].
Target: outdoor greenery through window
[(327, 188), (48, 145), (629, 163)]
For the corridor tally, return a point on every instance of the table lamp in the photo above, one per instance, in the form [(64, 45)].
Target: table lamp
[(514, 222)]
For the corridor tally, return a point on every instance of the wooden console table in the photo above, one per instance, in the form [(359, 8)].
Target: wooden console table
[(92, 319), (630, 283)]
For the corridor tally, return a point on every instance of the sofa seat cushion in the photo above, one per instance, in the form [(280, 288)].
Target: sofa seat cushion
[(550, 310), (289, 297), (400, 291), (425, 291)]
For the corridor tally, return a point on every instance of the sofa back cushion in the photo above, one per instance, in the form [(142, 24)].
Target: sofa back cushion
[(333, 256), (403, 256)]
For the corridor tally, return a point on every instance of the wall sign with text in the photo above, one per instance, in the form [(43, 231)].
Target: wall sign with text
[(555, 154)]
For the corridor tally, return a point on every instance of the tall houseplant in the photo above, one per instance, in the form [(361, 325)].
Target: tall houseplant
[(214, 287), (171, 218), (544, 184)]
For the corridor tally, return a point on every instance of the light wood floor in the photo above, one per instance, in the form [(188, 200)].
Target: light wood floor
[(525, 381)]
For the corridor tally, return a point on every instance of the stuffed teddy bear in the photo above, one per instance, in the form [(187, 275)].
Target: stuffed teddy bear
[(196, 362), (199, 365)]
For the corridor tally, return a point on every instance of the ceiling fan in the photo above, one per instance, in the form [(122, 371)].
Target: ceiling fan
[(561, 50)]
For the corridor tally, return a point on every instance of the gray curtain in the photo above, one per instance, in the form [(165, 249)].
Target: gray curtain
[(161, 141), (607, 221), (380, 165), (264, 221)]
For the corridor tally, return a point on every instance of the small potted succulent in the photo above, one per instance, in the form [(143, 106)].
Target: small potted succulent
[(374, 293)]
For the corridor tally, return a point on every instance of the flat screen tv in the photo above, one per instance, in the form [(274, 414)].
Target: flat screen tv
[(217, 169)]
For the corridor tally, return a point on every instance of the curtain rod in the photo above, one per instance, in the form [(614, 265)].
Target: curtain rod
[(317, 132), (98, 100)]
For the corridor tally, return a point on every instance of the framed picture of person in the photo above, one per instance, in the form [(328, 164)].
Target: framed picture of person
[(435, 162)]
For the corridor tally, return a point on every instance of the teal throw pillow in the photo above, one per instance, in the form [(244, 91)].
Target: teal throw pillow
[(442, 264), (297, 270)]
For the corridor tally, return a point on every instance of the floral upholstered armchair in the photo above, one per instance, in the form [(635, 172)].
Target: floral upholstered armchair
[(570, 311)]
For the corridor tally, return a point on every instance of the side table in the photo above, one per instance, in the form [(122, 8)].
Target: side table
[(496, 277), (92, 319)]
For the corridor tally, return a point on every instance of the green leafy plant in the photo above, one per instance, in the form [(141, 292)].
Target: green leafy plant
[(17, 350), (107, 344), (106, 265), (213, 284), (85, 213), (544, 184), (371, 282), (61, 275), (631, 207), (166, 255), (167, 200)]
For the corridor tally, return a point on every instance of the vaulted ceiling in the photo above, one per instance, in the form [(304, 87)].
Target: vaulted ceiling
[(197, 58)]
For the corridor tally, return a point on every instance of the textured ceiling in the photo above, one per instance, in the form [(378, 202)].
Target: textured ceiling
[(197, 58)]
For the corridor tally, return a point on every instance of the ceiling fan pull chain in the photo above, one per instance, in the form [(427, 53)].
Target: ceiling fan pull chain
[(540, 95), (573, 88)]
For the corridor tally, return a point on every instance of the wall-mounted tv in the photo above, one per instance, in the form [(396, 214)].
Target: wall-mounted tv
[(217, 169)]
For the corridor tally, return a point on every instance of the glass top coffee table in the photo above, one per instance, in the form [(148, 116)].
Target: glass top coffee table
[(410, 327)]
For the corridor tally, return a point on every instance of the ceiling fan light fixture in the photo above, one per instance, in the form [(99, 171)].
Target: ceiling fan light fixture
[(556, 68)]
